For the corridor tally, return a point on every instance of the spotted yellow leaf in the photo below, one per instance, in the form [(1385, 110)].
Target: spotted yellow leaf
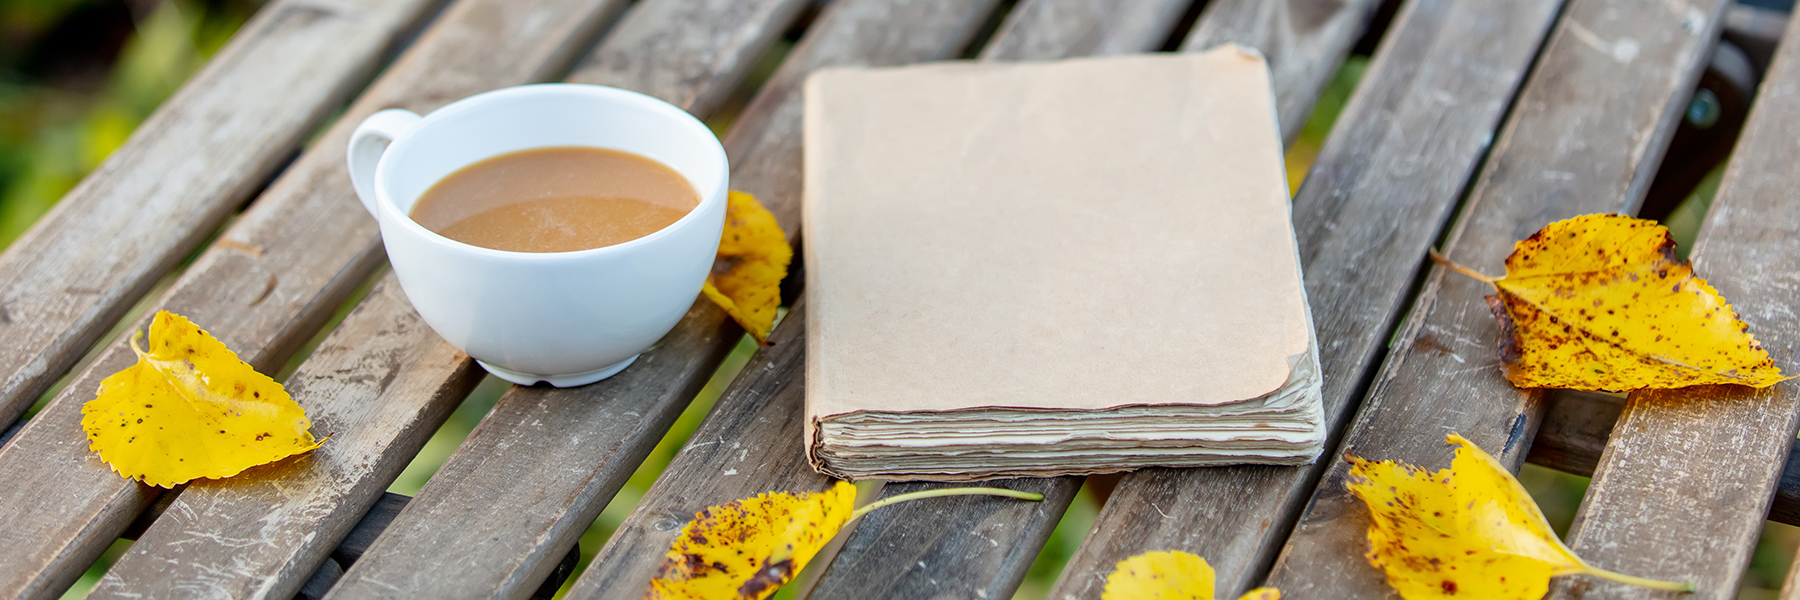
[(1601, 302), (1170, 575), (1469, 531), (748, 549), (189, 409), (1173, 575), (753, 259)]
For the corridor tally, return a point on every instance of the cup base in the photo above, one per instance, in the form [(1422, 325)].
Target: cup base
[(561, 381)]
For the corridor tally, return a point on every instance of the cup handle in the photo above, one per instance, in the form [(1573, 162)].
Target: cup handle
[(368, 142)]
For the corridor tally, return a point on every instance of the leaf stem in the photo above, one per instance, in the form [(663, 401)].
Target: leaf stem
[(962, 491), (1655, 584), (1439, 259)]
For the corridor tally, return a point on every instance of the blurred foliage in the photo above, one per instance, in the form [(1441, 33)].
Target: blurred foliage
[(77, 76), (1306, 147)]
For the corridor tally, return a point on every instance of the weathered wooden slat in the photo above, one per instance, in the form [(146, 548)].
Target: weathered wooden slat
[(300, 518), (261, 534), (958, 547), (764, 407), (965, 557), (762, 413), (765, 404), (764, 144), (1576, 425), (1407, 144), (272, 281), (572, 448), (1688, 475), (263, 290), (380, 515), (1053, 29), (658, 51), (1790, 587), (748, 444), (1303, 40), (1585, 136), (179, 176)]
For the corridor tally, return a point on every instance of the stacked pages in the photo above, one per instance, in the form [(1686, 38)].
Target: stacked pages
[(1050, 269)]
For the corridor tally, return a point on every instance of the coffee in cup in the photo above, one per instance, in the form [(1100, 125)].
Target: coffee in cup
[(570, 308), (558, 199)]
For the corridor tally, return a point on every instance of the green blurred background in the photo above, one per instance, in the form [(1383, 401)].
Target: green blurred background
[(77, 76)]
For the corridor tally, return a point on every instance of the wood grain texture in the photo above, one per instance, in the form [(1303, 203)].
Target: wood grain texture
[(572, 448), (955, 547), (748, 444), (1408, 143), (274, 278), (1790, 587), (1585, 136), (265, 289), (180, 175), (762, 411), (764, 144), (1303, 40), (261, 534), (680, 51), (545, 462), (1576, 425), (1687, 477), (1053, 29)]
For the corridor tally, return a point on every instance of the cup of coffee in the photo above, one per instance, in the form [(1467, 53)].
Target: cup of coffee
[(553, 232)]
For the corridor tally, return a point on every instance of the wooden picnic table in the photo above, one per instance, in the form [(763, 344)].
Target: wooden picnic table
[(1477, 123)]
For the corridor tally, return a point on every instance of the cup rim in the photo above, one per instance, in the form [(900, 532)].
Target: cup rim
[(385, 201)]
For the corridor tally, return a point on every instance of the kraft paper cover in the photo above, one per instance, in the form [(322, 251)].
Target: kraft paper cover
[(1078, 235)]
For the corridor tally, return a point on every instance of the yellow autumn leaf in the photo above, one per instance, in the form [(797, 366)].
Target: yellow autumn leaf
[(753, 259), (1173, 575), (1469, 531), (1169, 575), (189, 409), (1601, 302), (748, 549)]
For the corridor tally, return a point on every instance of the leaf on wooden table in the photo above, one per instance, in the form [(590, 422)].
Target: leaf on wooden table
[(1469, 531), (189, 409), (1169, 575), (1601, 302), (753, 259), (1173, 575), (749, 548)]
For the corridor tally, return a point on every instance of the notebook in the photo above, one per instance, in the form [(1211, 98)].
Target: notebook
[(1045, 269)]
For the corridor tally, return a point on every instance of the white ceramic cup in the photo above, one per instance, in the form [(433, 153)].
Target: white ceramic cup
[(566, 318)]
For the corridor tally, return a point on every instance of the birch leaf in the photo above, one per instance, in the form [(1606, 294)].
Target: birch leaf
[(190, 408), (753, 259), (1469, 531), (748, 549), (1170, 575), (1601, 302)]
